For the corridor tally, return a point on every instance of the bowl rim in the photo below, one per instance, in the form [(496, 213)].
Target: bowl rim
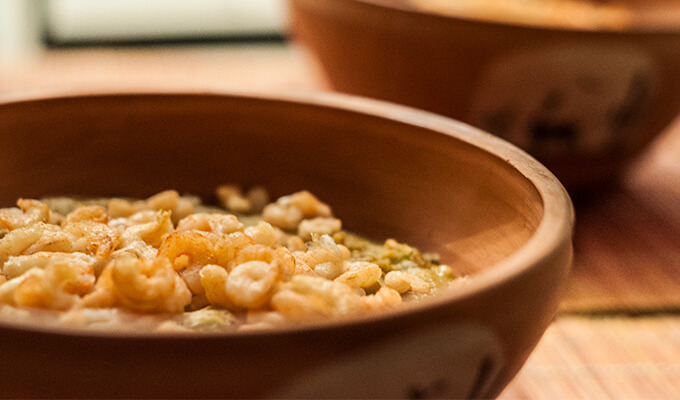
[(553, 231), (634, 29)]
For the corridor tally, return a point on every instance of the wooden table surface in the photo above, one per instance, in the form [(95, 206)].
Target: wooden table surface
[(617, 334)]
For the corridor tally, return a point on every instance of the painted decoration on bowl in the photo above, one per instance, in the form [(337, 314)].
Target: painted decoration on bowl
[(566, 100)]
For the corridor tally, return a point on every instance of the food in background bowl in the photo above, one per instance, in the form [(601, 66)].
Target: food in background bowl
[(565, 13), (649, 15), (185, 267)]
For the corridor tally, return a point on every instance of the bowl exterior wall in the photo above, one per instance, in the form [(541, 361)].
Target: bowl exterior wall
[(584, 103), (469, 349)]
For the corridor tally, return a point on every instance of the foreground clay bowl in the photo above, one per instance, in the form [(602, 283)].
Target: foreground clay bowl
[(488, 208), (584, 102)]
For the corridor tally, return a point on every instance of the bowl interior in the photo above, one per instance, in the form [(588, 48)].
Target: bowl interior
[(384, 177)]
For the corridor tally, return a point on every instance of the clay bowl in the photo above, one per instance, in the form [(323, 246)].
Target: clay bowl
[(584, 101), (487, 207)]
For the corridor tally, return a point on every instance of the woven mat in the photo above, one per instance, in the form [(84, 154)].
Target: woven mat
[(603, 358)]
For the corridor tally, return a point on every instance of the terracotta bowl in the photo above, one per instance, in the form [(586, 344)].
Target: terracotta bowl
[(488, 208), (584, 101)]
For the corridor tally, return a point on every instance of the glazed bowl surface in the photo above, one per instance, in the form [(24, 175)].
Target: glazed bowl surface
[(492, 212), (584, 99)]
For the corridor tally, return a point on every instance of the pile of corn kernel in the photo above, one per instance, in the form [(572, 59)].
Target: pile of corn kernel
[(247, 264)]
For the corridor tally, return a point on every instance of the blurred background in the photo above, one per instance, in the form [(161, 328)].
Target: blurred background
[(204, 43), (31, 25), (617, 334)]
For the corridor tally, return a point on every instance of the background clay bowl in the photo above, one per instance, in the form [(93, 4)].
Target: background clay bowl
[(583, 101), (388, 171)]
